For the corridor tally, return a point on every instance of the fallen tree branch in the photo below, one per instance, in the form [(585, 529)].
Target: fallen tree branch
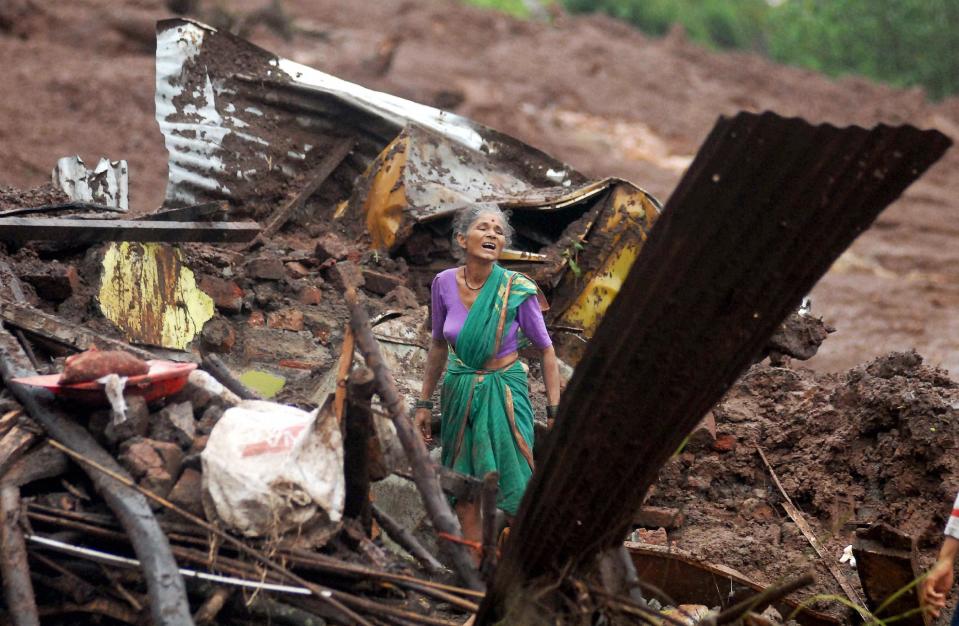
[(764, 598), (424, 474), (17, 588), (407, 541)]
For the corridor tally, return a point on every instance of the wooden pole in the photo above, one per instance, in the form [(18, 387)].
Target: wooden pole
[(17, 588), (424, 474), (356, 446), (407, 540)]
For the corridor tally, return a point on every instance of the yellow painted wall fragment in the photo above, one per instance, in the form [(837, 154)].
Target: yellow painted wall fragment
[(148, 292)]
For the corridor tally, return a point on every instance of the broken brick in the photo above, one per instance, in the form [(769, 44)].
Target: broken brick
[(256, 319), (704, 435), (330, 246), (285, 319), (187, 493), (310, 295), (297, 269), (657, 537), (380, 283), (401, 298), (158, 481), (299, 364), (724, 443), (226, 294), (138, 457), (265, 268), (55, 282), (218, 336), (348, 271), (658, 517), (170, 454)]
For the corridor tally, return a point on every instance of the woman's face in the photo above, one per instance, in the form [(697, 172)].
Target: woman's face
[(485, 238)]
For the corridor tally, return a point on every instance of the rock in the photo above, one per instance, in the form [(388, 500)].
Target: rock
[(208, 420), (297, 269), (257, 318), (658, 517), (401, 298), (701, 483), (310, 294), (226, 294), (348, 270), (703, 437), (218, 336), (265, 268), (158, 481), (286, 319), (136, 424), (54, 281), (175, 424), (170, 454), (330, 246), (138, 457), (380, 283), (187, 493), (656, 537), (266, 295), (268, 345)]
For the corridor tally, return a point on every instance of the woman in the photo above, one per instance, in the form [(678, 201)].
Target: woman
[(478, 310)]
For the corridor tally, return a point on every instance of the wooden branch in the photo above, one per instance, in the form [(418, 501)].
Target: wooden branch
[(218, 369), (797, 517), (12, 289), (85, 232), (424, 473), (168, 604), (333, 158), (454, 484), (192, 213), (63, 206), (14, 445), (63, 332), (407, 541), (17, 588), (488, 507), (212, 606), (356, 446)]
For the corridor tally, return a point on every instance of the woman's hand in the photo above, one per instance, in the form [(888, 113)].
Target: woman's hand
[(422, 422)]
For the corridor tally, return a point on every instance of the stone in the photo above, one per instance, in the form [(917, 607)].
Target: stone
[(286, 319), (170, 454), (330, 246), (380, 283), (218, 336), (401, 298), (266, 295), (175, 424), (657, 537), (701, 483), (297, 269), (136, 424), (310, 294), (269, 345), (226, 294), (348, 270), (257, 318), (187, 493), (157, 481), (208, 420), (658, 517), (703, 437), (55, 282), (138, 457), (265, 268)]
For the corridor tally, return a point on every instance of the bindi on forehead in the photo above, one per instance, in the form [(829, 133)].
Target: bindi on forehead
[(490, 219)]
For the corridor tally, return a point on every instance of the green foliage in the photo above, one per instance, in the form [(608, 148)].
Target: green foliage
[(513, 7), (902, 42)]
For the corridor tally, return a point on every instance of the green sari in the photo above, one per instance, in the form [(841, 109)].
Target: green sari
[(487, 418)]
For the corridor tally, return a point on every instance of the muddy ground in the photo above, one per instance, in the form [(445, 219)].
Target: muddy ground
[(852, 439)]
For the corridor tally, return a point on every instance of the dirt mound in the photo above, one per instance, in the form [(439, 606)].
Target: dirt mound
[(874, 444)]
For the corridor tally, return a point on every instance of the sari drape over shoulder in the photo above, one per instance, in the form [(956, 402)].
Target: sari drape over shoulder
[(487, 418)]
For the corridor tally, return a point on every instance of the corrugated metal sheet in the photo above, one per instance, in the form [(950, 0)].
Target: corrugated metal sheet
[(766, 207)]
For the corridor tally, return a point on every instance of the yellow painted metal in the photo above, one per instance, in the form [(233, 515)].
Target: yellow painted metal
[(622, 227), (148, 292), (264, 383), (386, 200)]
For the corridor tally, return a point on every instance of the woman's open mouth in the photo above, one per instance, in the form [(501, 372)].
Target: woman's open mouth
[(489, 245)]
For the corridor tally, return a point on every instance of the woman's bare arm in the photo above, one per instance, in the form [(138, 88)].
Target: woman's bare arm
[(551, 376), (435, 363)]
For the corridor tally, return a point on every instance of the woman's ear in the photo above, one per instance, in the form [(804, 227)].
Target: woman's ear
[(461, 240)]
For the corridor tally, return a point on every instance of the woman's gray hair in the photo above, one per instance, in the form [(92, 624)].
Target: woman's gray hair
[(465, 218)]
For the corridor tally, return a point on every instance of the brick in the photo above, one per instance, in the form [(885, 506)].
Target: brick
[(218, 336), (265, 268), (401, 298), (659, 517), (311, 295), (257, 318), (55, 282), (157, 480), (330, 246), (286, 319), (299, 364), (724, 443), (701, 483), (657, 537), (187, 493), (226, 294), (138, 457), (380, 283), (170, 454)]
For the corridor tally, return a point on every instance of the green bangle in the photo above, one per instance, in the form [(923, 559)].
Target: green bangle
[(552, 410), (424, 404)]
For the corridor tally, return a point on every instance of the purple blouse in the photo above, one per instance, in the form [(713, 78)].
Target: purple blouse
[(449, 314)]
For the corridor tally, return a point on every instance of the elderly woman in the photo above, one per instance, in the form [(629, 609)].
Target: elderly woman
[(482, 314)]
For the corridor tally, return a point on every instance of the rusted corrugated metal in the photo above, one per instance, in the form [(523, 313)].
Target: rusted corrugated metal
[(766, 207)]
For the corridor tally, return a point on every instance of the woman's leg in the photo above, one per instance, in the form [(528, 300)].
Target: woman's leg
[(471, 523)]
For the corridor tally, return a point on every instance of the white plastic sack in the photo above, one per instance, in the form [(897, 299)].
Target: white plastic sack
[(270, 468)]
